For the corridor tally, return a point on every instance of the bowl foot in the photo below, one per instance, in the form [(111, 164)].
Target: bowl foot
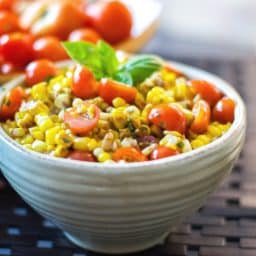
[(115, 248)]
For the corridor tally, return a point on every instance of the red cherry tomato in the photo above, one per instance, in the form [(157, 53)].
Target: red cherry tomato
[(112, 19), (162, 152), (82, 124), (84, 34), (168, 117), (49, 48), (206, 90), (7, 4), (16, 48), (40, 70), (12, 103), (224, 111), (129, 154), (8, 68), (110, 89), (84, 84), (82, 156), (8, 22), (202, 117)]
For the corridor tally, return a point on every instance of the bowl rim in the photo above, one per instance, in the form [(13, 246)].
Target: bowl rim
[(117, 168)]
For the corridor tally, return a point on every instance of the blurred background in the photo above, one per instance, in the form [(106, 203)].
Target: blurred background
[(224, 28)]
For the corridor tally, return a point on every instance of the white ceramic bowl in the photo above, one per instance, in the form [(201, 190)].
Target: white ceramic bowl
[(121, 208)]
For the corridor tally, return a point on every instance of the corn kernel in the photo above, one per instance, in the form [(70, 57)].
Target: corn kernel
[(103, 157), (17, 132), (39, 146), (60, 151), (36, 133), (118, 102), (81, 143), (39, 92), (51, 134), (24, 119), (28, 139), (196, 143), (64, 139), (92, 144)]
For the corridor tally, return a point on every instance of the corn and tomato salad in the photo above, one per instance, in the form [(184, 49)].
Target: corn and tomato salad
[(68, 113)]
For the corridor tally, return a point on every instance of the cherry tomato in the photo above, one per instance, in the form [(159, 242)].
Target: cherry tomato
[(60, 19), (112, 19), (173, 70), (82, 124), (49, 48), (206, 90), (12, 103), (202, 117), (82, 156), (168, 117), (7, 4), (110, 89), (8, 68), (162, 152), (16, 48), (224, 111), (40, 70), (129, 154), (9, 22), (84, 84), (84, 34)]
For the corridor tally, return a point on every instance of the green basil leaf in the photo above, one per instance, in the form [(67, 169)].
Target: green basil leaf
[(85, 54), (141, 67), (123, 77), (108, 57)]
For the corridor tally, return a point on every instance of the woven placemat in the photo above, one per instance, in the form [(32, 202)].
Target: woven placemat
[(225, 226)]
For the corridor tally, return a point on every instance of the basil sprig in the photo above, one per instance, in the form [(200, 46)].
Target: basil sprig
[(102, 61)]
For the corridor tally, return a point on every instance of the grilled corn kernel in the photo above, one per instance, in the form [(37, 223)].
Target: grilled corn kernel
[(39, 146), (81, 143), (64, 139), (17, 132), (103, 157), (118, 102), (62, 100), (158, 95), (50, 135), (39, 92), (24, 119), (28, 139), (196, 143), (60, 151), (36, 133), (118, 117), (140, 101), (34, 107), (92, 144)]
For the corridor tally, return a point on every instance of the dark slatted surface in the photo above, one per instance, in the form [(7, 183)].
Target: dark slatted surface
[(225, 226)]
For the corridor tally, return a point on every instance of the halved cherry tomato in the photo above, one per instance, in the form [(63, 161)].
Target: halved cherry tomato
[(162, 152), (206, 90), (129, 154), (171, 69), (202, 117), (82, 124), (16, 48), (39, 71), (224, 111), (8, 22), (110, 89), (84, 84), (168, 117), (82, 156), (84, 34), (112, 19), (49, 48), (7, 4), (12, 103)]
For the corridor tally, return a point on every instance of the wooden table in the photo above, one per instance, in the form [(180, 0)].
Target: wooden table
[(225, 226)]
